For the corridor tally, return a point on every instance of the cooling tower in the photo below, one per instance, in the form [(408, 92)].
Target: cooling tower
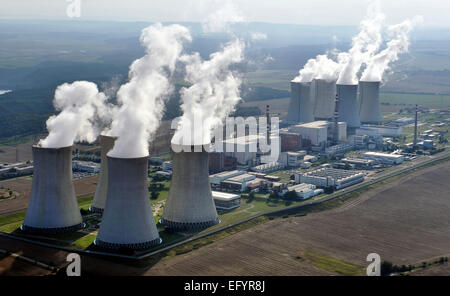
[(190, 205), (301, 104), (369, 100), (348, 105), (53, 206), (98, 204), (127, 221), (324, 97)]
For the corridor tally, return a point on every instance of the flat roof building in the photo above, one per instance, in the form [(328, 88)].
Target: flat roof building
[(226, 201), (384, 158), (325, 177)]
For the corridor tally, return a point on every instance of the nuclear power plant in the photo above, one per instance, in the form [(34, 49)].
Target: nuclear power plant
[(369, 99), (53, 207), (301, 106), (98, 204), (190, 204), (324, 98), (348, 105), (127, 218)]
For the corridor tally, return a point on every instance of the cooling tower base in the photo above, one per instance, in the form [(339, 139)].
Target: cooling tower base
[(135, 246), (31, 229), (96, 210), (188, 227)]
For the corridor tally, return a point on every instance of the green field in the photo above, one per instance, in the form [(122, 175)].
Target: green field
[(412, 99)]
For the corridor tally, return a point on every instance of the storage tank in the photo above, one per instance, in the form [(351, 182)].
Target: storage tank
[(53, 206), (127, 221), (369, 100), (301, 106), (348, 105), (324, 97), (190, 205), (98, 204)]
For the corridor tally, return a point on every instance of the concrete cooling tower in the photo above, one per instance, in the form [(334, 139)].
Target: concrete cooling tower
[(190, 205), (127, 221), (324, 98), (53, 206), (369, 100), (301, 106), (98, 205), (348, 105)]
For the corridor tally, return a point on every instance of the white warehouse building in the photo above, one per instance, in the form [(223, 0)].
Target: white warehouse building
[(325, 177), (384, 158)]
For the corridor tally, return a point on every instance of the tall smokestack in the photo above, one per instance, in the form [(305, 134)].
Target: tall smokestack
[(301, 108), (53, 206), (348, 105), (190, 205), (127, 219), (324, 94), (369, 100), (98, 205), (415, 128)]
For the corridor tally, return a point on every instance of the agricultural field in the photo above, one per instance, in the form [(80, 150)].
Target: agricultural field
[(405, 221)]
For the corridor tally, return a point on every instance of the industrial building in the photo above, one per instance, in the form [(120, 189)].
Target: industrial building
[(16, 169), (326, 177), (301, 106), (268, 167), (338, 149), (385, 158), (238, 183), (53, 206), (305, 191), (348, 105), (226, 201), (319, 132), (359, 163), (86, 166), (369, 100), (290, 141), (383, 131), (324, 98), (167, 166), (216, 179), (402, 121), (127, 221), (190, 204), (98, 204), (292, 159)]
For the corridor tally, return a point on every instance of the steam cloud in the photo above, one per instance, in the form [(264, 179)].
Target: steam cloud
[(364, 50), (398, 44), (212, 96), (82, 106), (364, 45), (141, 100), (219, 21)]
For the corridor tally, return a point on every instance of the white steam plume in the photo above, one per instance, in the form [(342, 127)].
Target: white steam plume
[(364, 45), (82, 107), (398, 44), (213, 95), (322, 67), (220, 20), (141, 100)]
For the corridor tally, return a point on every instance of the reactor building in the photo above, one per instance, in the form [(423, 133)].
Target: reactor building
[(53, 206), (301, 106), (190, 205), (369, 99), (324, 97), (98, 204), (127, 221), (348, 105)]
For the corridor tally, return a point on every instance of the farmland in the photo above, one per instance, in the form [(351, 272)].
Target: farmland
[(405, 221)]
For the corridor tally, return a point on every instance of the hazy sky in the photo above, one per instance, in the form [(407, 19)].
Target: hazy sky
[(316, 12)]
